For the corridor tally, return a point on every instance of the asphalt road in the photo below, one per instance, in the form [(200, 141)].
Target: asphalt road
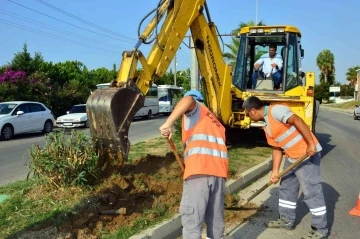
[(339, 136), (14, 153)]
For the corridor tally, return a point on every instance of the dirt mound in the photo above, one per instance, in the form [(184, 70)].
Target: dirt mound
[(147, 189)]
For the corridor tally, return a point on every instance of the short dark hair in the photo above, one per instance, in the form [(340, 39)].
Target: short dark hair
[(252, 102), (273, 46)]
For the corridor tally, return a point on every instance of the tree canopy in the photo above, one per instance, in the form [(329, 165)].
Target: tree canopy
[(60, 85)]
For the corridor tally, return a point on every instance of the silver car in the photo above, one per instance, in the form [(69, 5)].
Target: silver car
[(357, 112), (18, 117)]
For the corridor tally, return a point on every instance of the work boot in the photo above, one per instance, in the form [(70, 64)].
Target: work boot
[(314, 234), (280, 223)]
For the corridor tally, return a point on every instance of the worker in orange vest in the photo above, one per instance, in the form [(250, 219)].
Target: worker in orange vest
[(287, 132), (206, 166)]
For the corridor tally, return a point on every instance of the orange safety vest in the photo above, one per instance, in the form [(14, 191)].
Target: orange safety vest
[(205, 149), (286, 137)]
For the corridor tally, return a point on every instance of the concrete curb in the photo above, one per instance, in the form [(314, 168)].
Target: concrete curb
[(248, 176), (172, 228)]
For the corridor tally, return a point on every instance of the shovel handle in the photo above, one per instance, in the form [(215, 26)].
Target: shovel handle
[(177, 156), (285, 171)]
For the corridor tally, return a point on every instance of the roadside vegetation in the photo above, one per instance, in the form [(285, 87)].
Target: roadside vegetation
[(60, 85), (347, 105), (65, 197)]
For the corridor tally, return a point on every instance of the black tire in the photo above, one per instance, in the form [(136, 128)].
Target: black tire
[(86, 124), (48, 127), (355, 118), (7, 132), (149, 114)]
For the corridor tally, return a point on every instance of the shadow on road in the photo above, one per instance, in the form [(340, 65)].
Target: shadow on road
[(324, 140), (331, 198), (154, 117), (256, 224)]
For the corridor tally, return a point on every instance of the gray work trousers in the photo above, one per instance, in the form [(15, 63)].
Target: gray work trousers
[(203, 200), (306, 175)]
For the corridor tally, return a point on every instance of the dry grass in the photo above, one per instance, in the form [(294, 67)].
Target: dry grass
[(346, 105)]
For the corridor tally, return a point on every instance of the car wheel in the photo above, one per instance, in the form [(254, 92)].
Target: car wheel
[(7, 132), (355, 118), (87, 124), (149, 114), (48, 127)]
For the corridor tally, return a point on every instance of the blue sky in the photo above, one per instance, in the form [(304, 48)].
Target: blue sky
[(325, 24)]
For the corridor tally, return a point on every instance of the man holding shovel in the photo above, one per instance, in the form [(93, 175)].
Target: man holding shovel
[(287, 132), (206, 166)]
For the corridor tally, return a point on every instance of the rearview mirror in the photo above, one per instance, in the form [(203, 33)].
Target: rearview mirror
[(20, 112), (302, 52)]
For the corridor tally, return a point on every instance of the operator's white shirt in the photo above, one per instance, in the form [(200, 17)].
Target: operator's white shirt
[(265, 63)]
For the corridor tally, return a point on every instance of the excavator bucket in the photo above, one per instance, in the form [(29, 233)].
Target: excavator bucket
[(110, 112)]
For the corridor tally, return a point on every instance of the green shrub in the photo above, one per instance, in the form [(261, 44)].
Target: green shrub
[(65, 160)]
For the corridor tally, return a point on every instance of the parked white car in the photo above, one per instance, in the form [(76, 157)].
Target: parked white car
[(76, 117), (357, 112), (18, 117)]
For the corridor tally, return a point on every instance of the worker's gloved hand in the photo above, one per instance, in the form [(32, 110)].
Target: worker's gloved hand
[(274, 177), (166, 130)]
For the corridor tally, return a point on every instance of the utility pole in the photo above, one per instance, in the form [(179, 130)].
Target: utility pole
[(194, 69), (175, 70)]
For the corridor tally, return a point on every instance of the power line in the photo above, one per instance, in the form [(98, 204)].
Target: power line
[(53, 36), (84, 21), (69, 23), (11, 14), (185, 53), (186, 61)]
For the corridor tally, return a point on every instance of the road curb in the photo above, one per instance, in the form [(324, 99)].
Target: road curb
[(172, 228), (249, 176)]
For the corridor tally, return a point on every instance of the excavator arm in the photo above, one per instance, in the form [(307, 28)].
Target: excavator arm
[(112, 110)]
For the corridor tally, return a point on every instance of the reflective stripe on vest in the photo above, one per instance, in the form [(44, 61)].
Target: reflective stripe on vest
[(203, 150), (205, 137), (287, 137), (292, 142)]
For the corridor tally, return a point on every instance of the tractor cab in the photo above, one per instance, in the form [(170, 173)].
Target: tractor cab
[(269, 59)]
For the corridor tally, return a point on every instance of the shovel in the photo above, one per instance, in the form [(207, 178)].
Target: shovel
[(257, 192), (177, 156)]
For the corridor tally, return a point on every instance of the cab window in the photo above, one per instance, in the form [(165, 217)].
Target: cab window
[(292, 74)]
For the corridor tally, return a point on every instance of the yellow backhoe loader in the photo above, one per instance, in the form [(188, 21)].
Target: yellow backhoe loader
[(111, 110)]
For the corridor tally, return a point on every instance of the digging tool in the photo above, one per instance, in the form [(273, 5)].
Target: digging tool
[(177, 156), (257, 192)]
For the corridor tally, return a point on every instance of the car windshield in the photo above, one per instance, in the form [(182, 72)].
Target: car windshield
[(6, 108), (78, 109)]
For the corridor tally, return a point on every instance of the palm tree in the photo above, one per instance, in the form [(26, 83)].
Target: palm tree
[(234, 45), (325, 61), (351, 75), (247, 24)]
